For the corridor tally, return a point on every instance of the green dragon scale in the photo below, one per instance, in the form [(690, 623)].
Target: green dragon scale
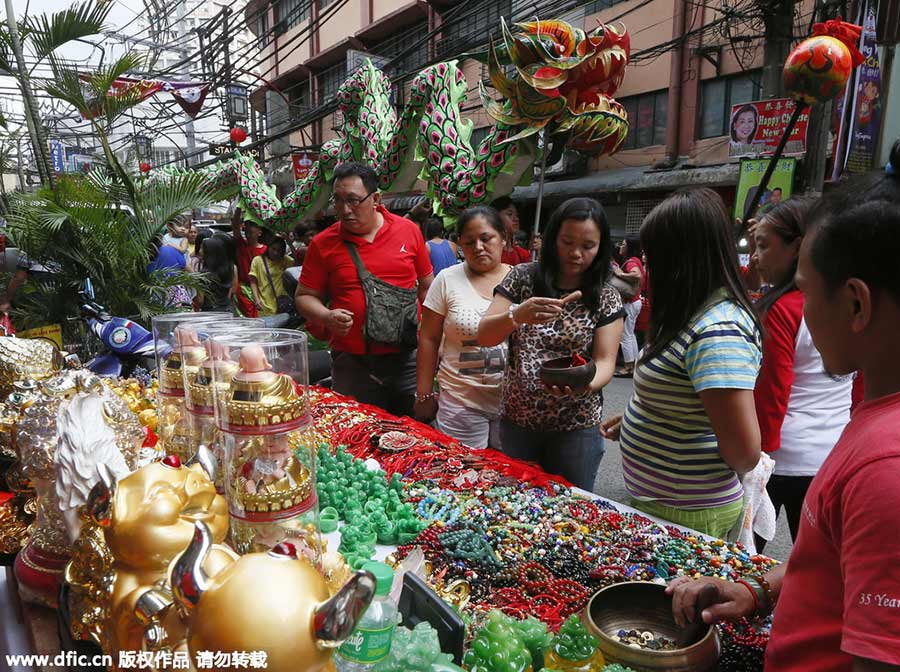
[(566, 78)]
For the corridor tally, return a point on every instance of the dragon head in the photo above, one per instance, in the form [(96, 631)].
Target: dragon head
[(564, 84)]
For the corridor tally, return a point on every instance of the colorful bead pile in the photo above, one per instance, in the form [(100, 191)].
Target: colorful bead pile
[(520, 541)]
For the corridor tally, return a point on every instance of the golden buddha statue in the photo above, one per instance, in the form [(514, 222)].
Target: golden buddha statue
[(269, 482)]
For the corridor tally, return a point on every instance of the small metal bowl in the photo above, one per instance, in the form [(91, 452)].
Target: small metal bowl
[(643, 605), (560, 372)]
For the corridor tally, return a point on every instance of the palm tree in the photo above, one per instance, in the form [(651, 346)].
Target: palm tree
[(101, 226), (41, 37)]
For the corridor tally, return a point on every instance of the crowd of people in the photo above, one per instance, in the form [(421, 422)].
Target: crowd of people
[(456, 332), (719, 380)]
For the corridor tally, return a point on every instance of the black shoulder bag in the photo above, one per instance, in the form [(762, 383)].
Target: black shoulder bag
[(392, 313), (283, 303)]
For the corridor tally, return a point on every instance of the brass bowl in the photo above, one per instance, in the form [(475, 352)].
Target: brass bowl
[(643, 605)]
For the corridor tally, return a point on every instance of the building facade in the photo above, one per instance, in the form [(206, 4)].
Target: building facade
[(690, 63)]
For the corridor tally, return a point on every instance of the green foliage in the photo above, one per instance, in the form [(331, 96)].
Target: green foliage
[(92, 228)]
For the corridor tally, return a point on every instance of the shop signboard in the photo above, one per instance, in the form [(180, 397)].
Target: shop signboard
[(868, 105), (58, 156), (50, 332), (780, 187), (756, 128), (303, 163)]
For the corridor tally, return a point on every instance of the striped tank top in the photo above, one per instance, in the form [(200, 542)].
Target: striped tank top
[(669, 450)]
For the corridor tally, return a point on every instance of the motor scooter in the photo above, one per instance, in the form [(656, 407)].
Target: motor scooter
[(128, 344)]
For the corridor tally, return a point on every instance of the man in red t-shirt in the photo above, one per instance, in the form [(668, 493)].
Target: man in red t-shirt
[(330, 293), (838, 596), (246, 249)]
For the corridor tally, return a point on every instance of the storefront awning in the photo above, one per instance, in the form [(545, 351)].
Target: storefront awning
[(633, 179)]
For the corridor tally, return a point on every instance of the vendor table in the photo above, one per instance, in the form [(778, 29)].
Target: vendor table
[(341, 421)]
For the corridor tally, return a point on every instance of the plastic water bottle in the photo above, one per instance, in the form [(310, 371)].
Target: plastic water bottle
[(371, 641)]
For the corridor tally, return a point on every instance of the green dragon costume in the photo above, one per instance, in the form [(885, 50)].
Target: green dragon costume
[(563, 85)]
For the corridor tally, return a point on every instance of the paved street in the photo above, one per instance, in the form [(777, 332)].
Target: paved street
[(609, 482)]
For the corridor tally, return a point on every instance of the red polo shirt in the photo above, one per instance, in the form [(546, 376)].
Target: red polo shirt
[(396, 255)]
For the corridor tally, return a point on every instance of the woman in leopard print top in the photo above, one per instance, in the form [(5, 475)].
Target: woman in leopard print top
[(558, 428)]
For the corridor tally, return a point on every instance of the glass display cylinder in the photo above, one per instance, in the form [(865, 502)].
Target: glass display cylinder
[(175, 351), (262, 409), (198, 398)]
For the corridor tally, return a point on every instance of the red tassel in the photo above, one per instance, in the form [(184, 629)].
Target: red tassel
[(848, 33)]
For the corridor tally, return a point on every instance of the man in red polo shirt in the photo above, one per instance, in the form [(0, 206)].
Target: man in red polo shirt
[(246, 249), (330, 293)]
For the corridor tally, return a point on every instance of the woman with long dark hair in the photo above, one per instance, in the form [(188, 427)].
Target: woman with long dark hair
[(690, 432), (558, 307), (801, 409), (218, 264)]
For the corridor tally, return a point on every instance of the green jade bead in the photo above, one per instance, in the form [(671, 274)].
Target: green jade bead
[(497, 648), (329, 519), (573, 641)]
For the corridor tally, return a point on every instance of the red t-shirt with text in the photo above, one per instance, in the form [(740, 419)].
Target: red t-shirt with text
[(841, 594), (396, 255)]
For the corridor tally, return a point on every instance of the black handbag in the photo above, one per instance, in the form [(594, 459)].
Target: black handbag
[(392, 313)]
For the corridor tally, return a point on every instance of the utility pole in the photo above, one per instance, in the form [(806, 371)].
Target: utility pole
[(185, 69), (35, 130)]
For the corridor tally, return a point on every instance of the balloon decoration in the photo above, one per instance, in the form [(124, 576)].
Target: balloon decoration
[(238, 135), (817, 69), (145, 167)]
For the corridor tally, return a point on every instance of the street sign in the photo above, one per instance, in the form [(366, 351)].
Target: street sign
[(222, 150)]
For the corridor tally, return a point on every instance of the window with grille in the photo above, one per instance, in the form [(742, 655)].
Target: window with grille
[(599, 5), (646, 119), (300, 98), (330, 81), (635, 211), (718, 95), (471, 28), (161, 157), (291, 12), (407, 49), (262, 28)]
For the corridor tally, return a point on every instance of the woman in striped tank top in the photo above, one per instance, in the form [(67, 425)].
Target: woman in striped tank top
[(690, 431)]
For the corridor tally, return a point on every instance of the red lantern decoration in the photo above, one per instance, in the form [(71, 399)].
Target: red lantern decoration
[(238, 135), (817, 69), (145, 167)]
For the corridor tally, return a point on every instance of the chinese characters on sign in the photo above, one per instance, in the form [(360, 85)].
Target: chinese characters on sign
[(206, 660), (756, 128)]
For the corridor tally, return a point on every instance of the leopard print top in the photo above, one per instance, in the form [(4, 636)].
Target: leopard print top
[(525, 401)]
